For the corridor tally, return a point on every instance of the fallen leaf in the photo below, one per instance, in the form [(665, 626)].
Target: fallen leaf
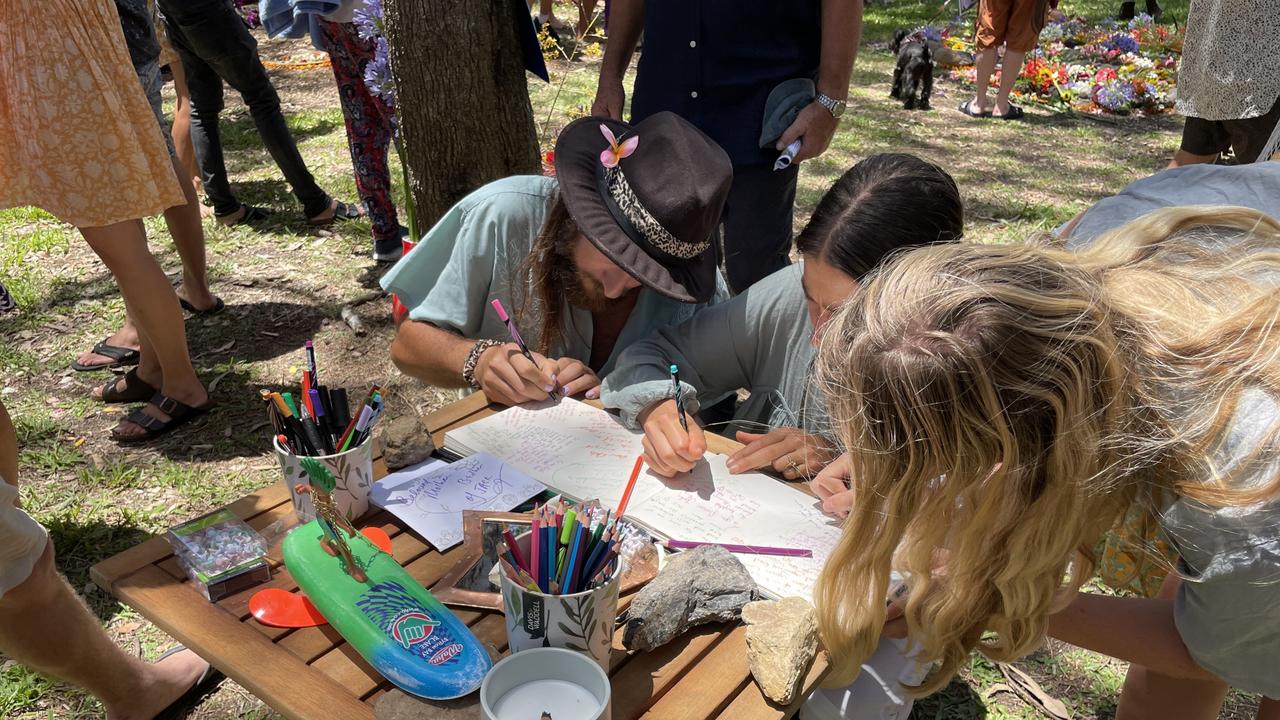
[(1030, 690), (128, 627), (224, 347), (996, 689), (213, 384)]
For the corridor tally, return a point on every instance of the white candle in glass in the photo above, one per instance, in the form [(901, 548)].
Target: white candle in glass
[(560, 699)]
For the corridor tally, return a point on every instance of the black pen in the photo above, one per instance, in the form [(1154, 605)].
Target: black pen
[(678, 396)]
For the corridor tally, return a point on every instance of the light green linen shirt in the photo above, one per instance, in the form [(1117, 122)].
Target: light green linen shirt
[(473, 255), (759, 340)]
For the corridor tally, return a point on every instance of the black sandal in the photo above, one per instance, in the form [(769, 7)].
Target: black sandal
[(1015, 113), (252, 216), (341, 211), (203, 686), (135, 389), (152, 426), (218, 306), (966, 107), (120, 357)]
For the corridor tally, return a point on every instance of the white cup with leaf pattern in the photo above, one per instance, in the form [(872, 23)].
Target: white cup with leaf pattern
[(353, 471), (582, 621)]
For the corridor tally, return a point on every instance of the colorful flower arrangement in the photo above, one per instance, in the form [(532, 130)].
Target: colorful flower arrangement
[(1111, 68)]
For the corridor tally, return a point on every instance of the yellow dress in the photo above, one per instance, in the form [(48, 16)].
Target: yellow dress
[(77, 136)]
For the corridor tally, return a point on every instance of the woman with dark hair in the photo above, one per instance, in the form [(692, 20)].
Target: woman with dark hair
[(762, 340)]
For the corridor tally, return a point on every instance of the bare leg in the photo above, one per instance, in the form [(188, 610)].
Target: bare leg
[(123, 249), (1182, 157), (1151, 696), (586, 11), (986, 65), (181, 130), (44, 626), (188, 236), (1009, 72)]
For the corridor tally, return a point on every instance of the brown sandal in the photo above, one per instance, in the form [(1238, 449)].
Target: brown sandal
[(152, 426)]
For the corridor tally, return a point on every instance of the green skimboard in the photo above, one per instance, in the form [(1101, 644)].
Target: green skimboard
[(402, 630)]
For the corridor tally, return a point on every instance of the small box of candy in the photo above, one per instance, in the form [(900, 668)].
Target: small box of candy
[(220, 553)]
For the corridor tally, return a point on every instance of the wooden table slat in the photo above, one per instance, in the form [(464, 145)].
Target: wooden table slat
[(709, 685), (269, 672), (648, 676)]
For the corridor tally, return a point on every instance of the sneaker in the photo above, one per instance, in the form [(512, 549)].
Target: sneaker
[(388, 250)]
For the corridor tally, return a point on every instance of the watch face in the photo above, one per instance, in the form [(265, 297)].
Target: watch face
[(838, 110)]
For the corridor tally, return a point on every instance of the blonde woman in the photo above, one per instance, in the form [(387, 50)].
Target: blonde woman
[(1005, 406)]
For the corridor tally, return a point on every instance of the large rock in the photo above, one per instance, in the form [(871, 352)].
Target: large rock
[(782, 639), (405, 441), (706, 584)]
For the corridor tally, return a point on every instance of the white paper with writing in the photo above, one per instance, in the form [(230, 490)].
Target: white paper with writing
[(585, 453), (430, 497)]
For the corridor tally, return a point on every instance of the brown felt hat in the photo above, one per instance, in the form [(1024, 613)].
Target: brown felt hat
[(655, 212)]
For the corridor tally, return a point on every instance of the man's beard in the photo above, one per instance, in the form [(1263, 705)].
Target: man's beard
[(581, 291)]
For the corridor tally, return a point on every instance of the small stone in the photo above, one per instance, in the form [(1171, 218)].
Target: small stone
[(399, 705), (702, 585), (782, 639), (405, 441)]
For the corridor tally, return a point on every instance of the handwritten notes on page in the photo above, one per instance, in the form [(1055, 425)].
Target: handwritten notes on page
[(430, 497), (585, 453)]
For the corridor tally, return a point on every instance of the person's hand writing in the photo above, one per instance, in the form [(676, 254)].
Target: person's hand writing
[(831, 485), (573, 378), (814, 126), (610, 98), (668, 449), (791, 452), (507, 377)]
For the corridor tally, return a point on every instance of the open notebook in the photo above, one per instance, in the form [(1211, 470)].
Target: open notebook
[(584, 453)]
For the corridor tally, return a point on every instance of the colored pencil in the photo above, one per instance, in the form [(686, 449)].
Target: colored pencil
[(631, 485), (535, 551), (515, 550), (744, 549)]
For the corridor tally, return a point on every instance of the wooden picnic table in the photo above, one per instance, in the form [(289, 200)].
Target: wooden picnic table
[(313, 673)]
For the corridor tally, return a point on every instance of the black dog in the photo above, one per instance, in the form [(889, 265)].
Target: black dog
[(914, 72)]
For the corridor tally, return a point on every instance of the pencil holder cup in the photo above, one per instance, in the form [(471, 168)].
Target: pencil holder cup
[(352, 469), (582, 621)]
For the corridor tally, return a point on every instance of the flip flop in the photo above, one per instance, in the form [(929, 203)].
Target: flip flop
[(280, 608), (153, 427), (202, 686), (1015, 113), (218, 306), (342, 211), (120, 357), (252, 216), (967, 109), (135, 389)]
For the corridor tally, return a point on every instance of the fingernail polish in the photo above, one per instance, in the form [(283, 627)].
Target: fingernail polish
[(564, 390), (593, 393), (549, 388)]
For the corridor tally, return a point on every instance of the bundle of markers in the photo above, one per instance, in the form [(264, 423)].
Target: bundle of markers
[(319, 421), (571, 549)]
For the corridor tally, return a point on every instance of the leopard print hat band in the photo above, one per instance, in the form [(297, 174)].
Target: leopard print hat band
[(636, 220)]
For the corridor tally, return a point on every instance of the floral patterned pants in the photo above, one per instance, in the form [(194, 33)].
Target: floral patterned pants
[(369, 127)]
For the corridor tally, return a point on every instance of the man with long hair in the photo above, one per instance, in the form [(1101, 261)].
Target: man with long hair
[(618, 245)]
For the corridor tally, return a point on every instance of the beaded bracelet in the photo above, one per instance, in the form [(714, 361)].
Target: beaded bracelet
[(473, 359)]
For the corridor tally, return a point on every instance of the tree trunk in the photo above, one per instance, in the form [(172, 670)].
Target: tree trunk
[(461, 96)]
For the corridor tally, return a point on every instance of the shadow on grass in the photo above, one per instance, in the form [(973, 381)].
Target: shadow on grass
[(261, 330), (240, 133), (957, 701), (80, 543)]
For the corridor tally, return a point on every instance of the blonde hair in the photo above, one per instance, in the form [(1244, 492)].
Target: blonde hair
[(1004, 405)]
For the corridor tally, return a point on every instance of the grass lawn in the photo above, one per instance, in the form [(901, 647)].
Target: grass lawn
[(287, 282)]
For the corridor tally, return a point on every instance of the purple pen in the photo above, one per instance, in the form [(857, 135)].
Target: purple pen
[(744, 549)]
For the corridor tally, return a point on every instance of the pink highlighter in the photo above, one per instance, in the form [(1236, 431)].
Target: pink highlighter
[(515, 336)]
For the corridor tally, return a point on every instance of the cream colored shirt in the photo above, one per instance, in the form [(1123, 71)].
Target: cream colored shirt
[(1230, 68)]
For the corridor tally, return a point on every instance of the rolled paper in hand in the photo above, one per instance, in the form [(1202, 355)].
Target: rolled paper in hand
[(784, 160)]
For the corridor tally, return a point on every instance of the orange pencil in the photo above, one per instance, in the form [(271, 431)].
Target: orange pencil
[(631, 485)]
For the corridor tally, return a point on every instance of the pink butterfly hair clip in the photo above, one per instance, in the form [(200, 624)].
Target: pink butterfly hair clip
[(610, 156)]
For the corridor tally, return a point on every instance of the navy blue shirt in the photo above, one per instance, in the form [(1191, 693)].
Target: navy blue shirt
[(714, 63)]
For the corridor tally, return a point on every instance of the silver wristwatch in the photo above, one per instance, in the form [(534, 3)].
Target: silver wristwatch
[(836, 107)]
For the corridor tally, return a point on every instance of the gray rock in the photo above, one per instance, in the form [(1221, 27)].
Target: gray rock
[(782, 639), (399, 705), (405, 441), (703, 585)]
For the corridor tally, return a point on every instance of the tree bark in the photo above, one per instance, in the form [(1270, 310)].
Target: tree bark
[(461, 97)]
